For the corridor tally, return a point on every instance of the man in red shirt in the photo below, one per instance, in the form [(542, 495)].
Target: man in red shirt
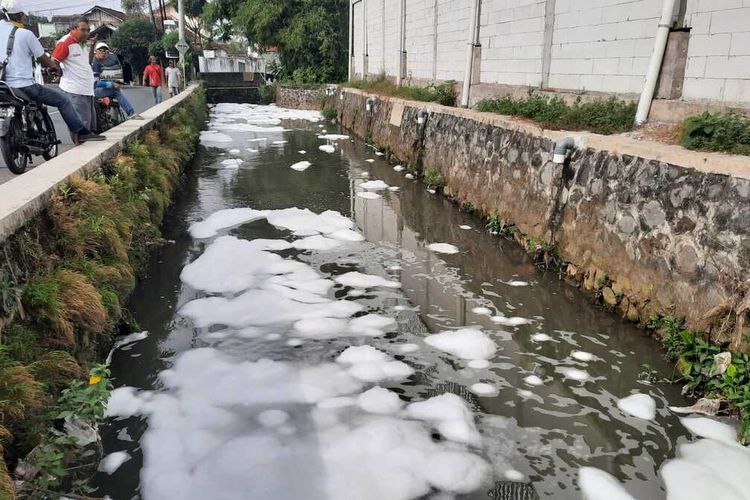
[(154, 75)]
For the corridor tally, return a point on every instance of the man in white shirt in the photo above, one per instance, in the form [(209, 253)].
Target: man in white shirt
[(19, 72), (173, 79), (75, 56)]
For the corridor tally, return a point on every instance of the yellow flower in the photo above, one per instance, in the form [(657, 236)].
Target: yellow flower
[(94, 379)]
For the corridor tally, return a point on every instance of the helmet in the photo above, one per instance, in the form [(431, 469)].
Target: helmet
[(12, 6), (101, 45)]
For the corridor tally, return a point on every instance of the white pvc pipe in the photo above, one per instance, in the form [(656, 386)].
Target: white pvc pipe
[(473, 41), (350, 73), (654, 65), (401, 43), (365, 57)]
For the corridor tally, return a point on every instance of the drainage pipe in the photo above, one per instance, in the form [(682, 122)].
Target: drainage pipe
[(365, 56), (561, 150), (351, 41), (402, 44), (654, 65), (473, 42)]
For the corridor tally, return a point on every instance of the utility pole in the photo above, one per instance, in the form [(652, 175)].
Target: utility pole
[(182, 44)]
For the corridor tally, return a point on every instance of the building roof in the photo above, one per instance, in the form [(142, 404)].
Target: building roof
[(64, 19), (112, 12)]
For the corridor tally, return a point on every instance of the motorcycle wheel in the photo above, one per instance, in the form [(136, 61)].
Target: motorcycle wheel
[(49, 131), (10, 146)]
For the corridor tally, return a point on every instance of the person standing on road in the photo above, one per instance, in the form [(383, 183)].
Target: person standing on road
[(77, 79), (154, 75), (19, 73), (108, 71), (173, 79)]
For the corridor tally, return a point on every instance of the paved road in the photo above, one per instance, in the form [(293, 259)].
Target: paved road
[(140, 97)]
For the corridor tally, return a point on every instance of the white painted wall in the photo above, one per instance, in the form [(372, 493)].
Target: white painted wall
[(597, 45)]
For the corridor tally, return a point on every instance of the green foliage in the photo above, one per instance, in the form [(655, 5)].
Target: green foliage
[(328, 113), (696, 368), (648, 374), (443, 93), (495, 225), (725, 132), (433, 179), (267, 93), (609, 116), (311, 35), (468, 207), (133, 39)]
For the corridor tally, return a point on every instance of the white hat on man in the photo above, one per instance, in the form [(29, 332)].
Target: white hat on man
[(12, 6)]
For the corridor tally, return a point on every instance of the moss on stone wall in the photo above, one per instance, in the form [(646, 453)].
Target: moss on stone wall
[(65, 277)]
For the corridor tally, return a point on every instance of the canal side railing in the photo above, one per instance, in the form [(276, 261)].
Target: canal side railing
[(24, 197)]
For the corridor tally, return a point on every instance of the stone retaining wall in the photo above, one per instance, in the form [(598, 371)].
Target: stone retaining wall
[(649, 228), (298, 98)]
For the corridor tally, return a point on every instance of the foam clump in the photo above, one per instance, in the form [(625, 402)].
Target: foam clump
[(368, 195), (224, 219), (356, 279), (638, 405), (327, 148), (301, 165), (512, 321), (573, 373), (273, 418), (123, 402), (450, 415), (597, 484), (370, 365), (446, 248), (113, 461), (333, 137), (467, 343), (377, 185), (211, 138), (379, 400)]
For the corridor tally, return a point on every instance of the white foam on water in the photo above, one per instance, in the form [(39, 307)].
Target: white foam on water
[(301, 166), (533, 380), (599, 485), (279, 143), (231, 163), (540, 337), (327, 148), (407, 348), (467, 343), (123, 402), (450, 415), (512, 321), (638, 405), (398, 168), (302, 151), (212, 138), (369, 160), (273, 418), (379, 153), (443, 248), (113, 461), (234, 151), (582, 356), (321, 327), (367, 364), (483, 389), (367, 195), (346, 235), (711, 429), (516, 283), (573, 373), (482, 311), (224, 219), (478, 364), (393, 188), (318, 242), (379, 400), (295, 219), (514, 475), (409, 176), (356, 279), (376, 185), (371, 325), (333, 137), (464, 226), (123, 341)]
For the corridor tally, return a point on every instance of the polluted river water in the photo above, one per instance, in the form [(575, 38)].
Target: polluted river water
[(320, 326)]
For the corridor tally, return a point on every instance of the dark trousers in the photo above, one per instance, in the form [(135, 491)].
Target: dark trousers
[(52, 96)]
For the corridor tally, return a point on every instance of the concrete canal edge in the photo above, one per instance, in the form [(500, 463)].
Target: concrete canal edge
[(76, 234), (25, 196), (648, 228)]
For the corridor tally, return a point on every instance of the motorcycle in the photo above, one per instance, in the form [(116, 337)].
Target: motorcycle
[(26, 129), (108, 113)]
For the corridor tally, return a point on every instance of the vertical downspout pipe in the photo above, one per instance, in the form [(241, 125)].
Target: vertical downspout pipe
[(401, 41), (350, 75), (654, 65), (473, 42), (365, 69)]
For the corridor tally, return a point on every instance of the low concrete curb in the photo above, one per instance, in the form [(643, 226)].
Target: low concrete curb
[(25, 196)]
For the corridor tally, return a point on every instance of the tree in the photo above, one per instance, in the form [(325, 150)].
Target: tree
[(132, 39), (194, 20), (311, 35), (133, 7)]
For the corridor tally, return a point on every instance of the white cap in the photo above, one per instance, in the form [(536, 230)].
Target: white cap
[(101, 45), (12, 6)]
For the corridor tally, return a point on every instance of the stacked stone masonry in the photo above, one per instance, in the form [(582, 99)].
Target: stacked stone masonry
[(647, 236)]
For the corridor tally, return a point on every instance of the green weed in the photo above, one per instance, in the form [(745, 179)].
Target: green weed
[(433, 179), (329, 113), (725, 132), (443, 93)]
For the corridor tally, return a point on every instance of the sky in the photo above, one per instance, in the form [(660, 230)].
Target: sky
[(54, 7)]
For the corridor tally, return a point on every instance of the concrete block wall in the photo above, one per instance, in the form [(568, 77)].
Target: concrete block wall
[(603, 45), (512, 34), (592, 45), (718, 66)]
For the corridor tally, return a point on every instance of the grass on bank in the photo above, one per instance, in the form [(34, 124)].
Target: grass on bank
[(63, 285), (721, 132), (443, 93), (610, 116), (696, 367)]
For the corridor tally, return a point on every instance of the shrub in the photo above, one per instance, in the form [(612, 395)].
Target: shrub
[(443, 93), (267, 93), (434, 179), (726, 132), (609, 116), (328, 113)]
